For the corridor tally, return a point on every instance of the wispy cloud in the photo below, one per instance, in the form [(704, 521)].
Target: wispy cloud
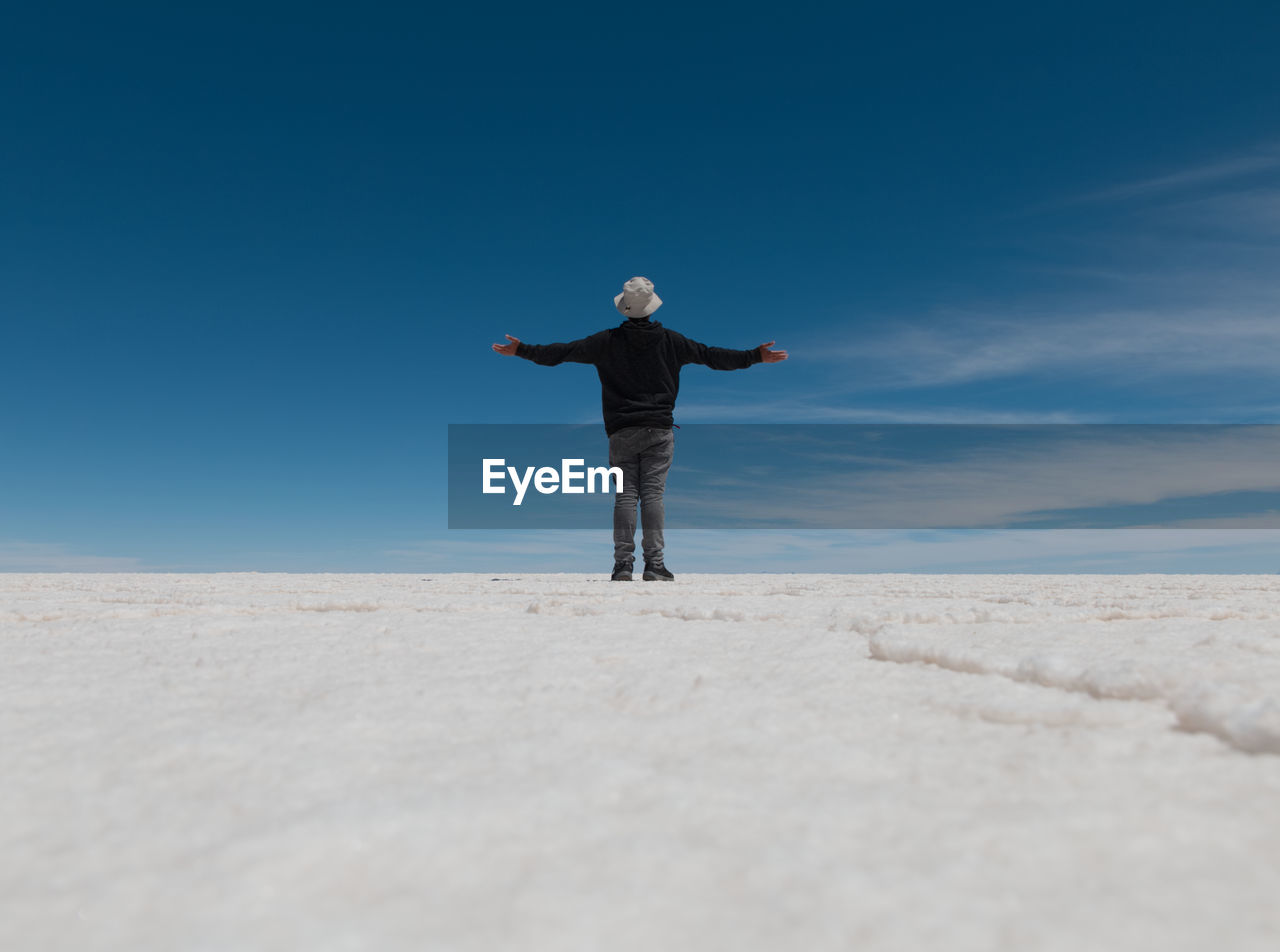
[(1022, 550), (1138, 344), (479, 550), (1240, 216), (1029, 550), (1190, 288), (1260, 159), (1077, 475), (815, 407), (23, 556)]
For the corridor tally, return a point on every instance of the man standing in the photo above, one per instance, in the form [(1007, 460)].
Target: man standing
[(639, 364)]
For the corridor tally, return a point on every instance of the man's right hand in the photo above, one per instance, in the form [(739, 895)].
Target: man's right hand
[(508, 349), (766, 355)]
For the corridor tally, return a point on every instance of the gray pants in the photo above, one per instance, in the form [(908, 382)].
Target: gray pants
[(643, 453)]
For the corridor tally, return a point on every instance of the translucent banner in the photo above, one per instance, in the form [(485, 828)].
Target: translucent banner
[(865, 476)]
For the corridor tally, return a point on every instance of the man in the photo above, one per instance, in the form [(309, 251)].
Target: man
[(639, 364)]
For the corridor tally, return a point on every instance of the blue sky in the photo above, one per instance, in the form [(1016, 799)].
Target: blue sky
[(252, 255)]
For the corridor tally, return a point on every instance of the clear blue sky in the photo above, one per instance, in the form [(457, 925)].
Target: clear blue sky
[(252, 255)]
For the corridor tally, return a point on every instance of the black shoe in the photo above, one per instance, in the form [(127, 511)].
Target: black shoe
[(657, 572), (621, 572)]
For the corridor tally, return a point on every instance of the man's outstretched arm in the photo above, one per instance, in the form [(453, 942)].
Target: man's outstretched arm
[(723, 358), (583, 351)]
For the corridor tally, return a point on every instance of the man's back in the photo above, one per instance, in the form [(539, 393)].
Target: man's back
[(639, 364)]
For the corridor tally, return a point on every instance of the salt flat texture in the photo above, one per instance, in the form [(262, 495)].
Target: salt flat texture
[(249, 761)]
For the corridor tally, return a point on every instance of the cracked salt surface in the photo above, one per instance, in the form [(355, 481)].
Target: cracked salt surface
[(403, 761)]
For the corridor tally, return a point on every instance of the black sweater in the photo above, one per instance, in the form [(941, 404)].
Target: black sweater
[(639, 365)]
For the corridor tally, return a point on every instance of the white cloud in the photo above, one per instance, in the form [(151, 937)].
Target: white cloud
[(987, 485), (1244, 215), (1135, 345), (22, 556), (1261, 159), (1019, 550), (1025, 550), (816, 408), (1192, 289)]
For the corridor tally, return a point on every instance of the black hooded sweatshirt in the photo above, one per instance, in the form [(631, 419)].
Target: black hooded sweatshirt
[(639, 365)]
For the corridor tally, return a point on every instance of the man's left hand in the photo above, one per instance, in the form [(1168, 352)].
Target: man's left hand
[(771, 356)]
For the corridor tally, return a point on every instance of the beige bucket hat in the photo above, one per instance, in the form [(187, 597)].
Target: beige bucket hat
[(637, 298)]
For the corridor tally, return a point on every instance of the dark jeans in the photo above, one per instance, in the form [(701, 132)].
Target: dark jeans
[(643, 453)]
